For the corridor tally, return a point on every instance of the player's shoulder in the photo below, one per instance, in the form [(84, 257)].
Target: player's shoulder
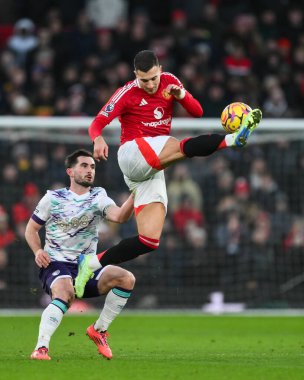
[(98, 190), (169, 77), (57, 195), (129, 87), (58, 192)]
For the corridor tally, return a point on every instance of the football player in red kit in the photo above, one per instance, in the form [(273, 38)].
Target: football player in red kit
[(144, 107)]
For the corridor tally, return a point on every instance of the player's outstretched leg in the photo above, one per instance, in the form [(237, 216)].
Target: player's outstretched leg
[(83, 276), (250, 123), (42, 353), (100, 339)]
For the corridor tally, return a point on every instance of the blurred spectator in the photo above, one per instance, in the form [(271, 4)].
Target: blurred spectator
[(106, 13), (20, 105), (23, 42), (293, 27), (56, 170), (230, 233), (268, 25), (295, 185), (258, 259), (180, 184), (281, 220), (85, 35), (10, 189), (236, 63), (275, 104), (7, 237), (43, 103), (266, 194), (295, 236), (258, 168), (185, 213), (22, 210), (215, 100), (174, 260), (230, 237), (39, 173), (196, 240), (21, 157)]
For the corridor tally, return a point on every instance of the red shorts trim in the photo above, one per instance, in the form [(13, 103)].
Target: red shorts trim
[(149, 242), (182, 143), (138, 209), (149, 155)]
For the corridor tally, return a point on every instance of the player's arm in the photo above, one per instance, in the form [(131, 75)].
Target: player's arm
[(109, 112), (191, 105), (32, 237), (120, 214)]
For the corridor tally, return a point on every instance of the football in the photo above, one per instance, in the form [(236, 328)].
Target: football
[(233, 116)]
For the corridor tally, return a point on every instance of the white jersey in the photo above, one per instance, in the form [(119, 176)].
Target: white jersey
[(71, 221)]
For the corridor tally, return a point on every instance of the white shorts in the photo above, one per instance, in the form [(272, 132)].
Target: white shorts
[(138, 160)]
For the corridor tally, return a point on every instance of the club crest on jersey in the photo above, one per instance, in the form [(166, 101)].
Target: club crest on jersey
[(166, 95), (110, 107), (158, 113)]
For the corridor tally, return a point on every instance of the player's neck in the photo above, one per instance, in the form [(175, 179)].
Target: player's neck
[(79, 190)]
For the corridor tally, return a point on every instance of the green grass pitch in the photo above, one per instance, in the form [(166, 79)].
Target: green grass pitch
[(160, 346)]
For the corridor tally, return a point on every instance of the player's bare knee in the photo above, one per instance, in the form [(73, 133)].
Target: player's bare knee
[(123, 279), (115, 276), (67, 295), (129, 280)]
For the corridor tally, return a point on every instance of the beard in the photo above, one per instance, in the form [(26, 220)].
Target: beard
[(83, 182)]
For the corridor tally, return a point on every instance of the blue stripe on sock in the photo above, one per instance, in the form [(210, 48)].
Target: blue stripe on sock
[(122, 292), (63, 306)]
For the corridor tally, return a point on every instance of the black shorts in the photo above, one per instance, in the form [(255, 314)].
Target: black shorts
[(59, 269)]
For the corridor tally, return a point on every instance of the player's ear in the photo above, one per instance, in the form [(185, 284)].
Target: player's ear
[(69, 171), (160, 68)]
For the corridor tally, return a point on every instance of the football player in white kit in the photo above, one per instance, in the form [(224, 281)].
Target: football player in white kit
[(71, 217)]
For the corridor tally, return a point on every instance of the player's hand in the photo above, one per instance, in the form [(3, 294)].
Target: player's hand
[(101, 149), (176, 91), (42, 258)]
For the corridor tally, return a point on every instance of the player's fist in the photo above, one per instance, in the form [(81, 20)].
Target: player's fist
[(101, 149), (42, 258), (176, 91)]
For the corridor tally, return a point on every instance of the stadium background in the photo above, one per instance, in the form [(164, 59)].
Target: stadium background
[(235, 223)]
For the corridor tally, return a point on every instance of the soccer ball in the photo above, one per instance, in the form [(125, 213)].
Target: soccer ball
[(233, 116)]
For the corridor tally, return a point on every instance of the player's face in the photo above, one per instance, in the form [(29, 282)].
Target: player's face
[(149, 81), (83, 172)]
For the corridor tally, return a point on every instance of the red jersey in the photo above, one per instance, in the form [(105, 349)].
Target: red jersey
[(141, 114)]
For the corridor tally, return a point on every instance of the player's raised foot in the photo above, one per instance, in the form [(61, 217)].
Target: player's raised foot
[(250, 123), (100, 339), (83, 276), (42, 353)]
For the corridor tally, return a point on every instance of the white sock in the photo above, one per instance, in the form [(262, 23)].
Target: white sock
[(229, 139), (115, 301), (50, 320), (94, 263)]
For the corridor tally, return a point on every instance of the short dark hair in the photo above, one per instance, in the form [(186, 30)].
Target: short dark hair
[(145, 60), (72, 158)]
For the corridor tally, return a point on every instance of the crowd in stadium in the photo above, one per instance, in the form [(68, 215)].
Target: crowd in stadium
[(66, 58), (234, 219)]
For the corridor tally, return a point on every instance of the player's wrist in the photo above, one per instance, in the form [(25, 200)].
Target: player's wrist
[(97, 138), (37, 251), (182, 94)]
